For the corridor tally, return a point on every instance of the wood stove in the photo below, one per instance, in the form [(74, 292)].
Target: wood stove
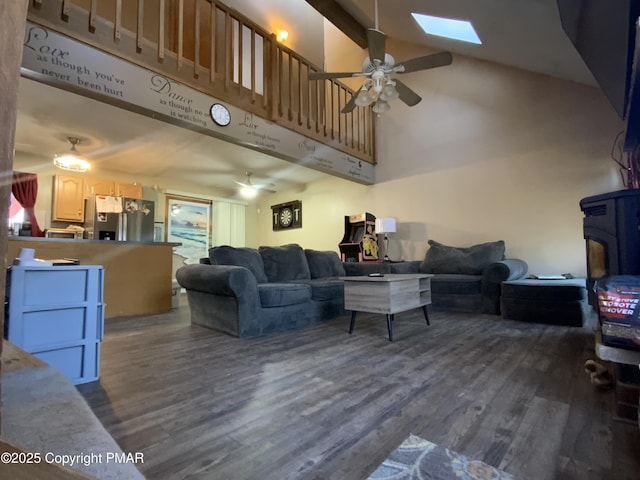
[(611, 228)]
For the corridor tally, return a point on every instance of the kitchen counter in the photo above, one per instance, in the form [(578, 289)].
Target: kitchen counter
[(137, 275), (83, 240)]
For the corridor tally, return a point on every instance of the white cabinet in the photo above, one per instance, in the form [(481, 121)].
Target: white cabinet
[(57, 314)]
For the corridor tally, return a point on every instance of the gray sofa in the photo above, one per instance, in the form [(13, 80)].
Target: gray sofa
[(248, 292)]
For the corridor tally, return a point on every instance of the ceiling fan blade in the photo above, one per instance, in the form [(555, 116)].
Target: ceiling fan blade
[(329, 75), (351, 104), (375, 43), (242, 184), (428, 61), (407, 95)]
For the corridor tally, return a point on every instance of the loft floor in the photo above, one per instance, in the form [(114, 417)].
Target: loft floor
[(322, 404)]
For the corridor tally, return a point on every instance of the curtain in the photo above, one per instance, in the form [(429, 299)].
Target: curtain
[(25, 189), (228, 224)]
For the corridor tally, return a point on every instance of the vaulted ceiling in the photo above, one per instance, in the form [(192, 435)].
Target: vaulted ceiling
[(526, 34)]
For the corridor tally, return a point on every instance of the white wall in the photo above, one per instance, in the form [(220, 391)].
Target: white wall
[(490, 153), (300, 19)]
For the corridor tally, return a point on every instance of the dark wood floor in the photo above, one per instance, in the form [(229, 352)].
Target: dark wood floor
[(322, 404)]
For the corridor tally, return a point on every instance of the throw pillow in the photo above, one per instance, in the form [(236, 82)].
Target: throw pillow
[(458, 260), (324, 264), (285, 263), (242, 257)]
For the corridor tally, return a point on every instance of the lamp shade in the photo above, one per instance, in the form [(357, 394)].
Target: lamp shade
[(385, 225)]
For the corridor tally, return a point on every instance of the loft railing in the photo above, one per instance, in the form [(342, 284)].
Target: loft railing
[(213, 48)]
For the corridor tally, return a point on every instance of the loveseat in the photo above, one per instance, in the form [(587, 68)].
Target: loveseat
[(248, 292), (469, 279)]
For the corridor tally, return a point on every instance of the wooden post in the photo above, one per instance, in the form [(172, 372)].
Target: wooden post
[(13, 21)]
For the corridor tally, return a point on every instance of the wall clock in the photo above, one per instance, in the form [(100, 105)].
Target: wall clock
[(286, 215), (220, 114)]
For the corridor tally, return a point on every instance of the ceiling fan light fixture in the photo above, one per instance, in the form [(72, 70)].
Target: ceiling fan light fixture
[(71, 161), (364, 98), (381, 106), (248, 192), (389, 92)]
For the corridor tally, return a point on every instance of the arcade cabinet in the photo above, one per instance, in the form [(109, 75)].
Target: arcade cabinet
[(360, 242)]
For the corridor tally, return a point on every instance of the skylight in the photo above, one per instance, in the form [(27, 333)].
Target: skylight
[(448, 27)]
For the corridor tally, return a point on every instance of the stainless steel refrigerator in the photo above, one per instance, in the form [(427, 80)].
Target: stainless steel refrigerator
[(119, 218)]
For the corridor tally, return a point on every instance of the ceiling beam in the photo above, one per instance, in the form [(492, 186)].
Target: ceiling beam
[(332, 11)]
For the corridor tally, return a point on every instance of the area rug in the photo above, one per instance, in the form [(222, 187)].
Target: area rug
[(419, 459)]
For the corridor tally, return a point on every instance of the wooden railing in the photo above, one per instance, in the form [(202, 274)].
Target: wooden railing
[(213, 48)]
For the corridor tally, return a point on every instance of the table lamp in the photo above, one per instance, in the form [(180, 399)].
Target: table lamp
[(386, 225)]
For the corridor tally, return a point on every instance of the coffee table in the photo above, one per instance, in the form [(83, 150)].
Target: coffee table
[(388, 294)]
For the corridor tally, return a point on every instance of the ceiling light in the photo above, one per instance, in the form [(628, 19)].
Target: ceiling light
[(248, 192), (282, 36), (389, 91), (71, 160), (448, 28), (381, 106), (364, 98)]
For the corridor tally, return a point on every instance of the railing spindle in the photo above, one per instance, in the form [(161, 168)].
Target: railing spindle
[(240, 55), (161, 13), (253, 66), (180, 33), (214, 43), (196, 39), (300, 93), (139, 32), (117, 25), (290, 87), (93, 13)]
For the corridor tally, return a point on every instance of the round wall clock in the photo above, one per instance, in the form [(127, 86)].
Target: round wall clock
[(285, 217), (220, 114)]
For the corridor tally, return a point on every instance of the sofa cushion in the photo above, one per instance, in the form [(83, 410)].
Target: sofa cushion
[(242, 257), (326, 288), (285, 263), (467, 261), (283, 294), (324, 264), (456, 284)]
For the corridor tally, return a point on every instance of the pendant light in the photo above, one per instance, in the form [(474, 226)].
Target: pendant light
[(71, 161)]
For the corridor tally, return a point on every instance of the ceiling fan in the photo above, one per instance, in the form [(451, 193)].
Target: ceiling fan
[(250, 189), (379, 87)]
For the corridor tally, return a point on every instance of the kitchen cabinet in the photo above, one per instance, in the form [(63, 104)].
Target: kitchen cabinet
[(68, 199), (131, 190), (69, 192), (57, 314), (98, 186)]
